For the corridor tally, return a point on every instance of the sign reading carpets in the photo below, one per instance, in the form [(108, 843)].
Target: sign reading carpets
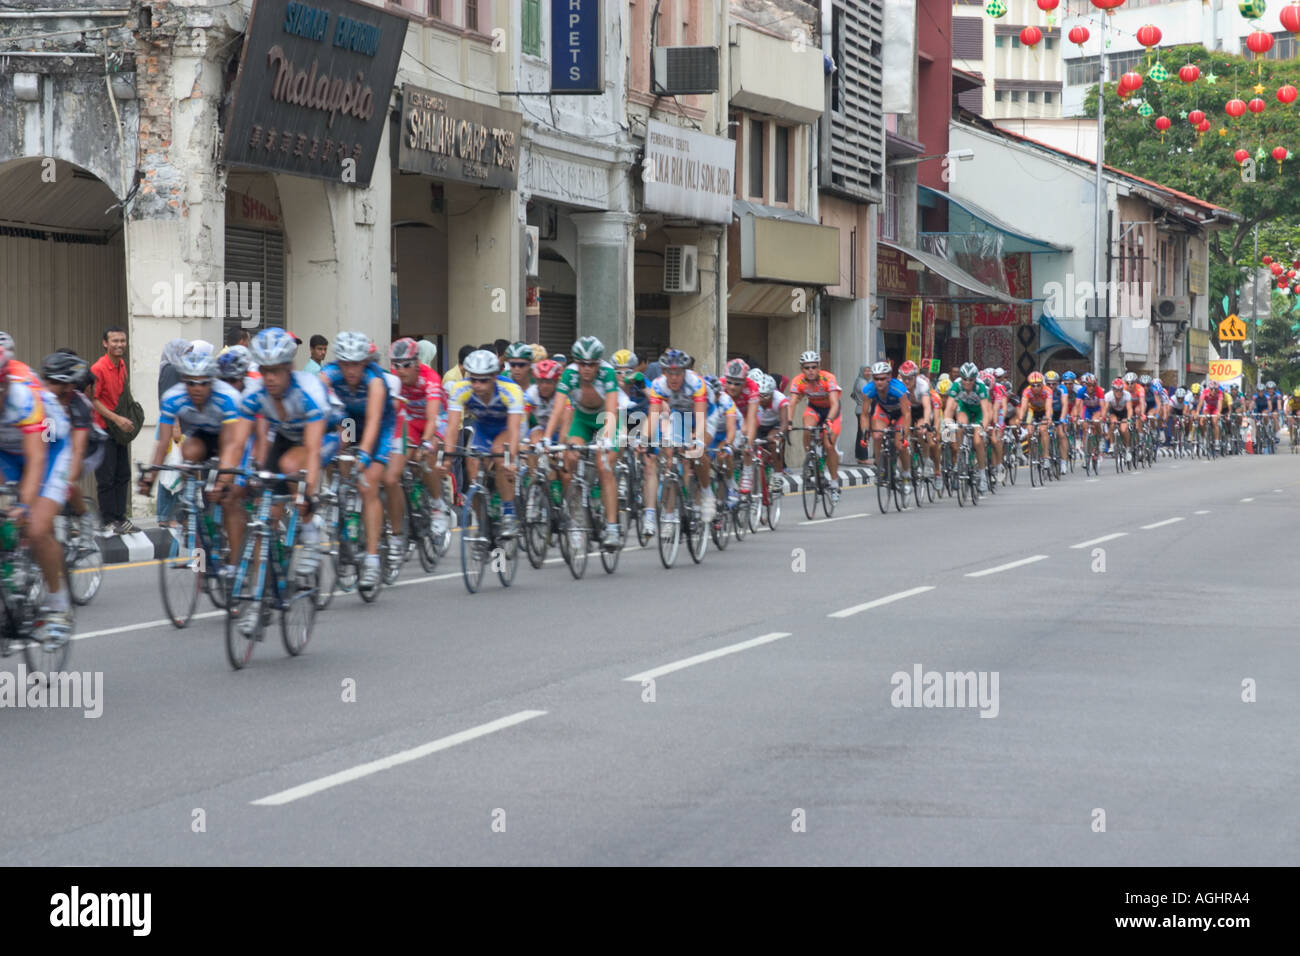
[(688, 173), (575, 33), (311, 95), (455, 139)]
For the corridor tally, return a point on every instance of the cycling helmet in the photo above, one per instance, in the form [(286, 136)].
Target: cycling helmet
[(404, 350), (197, 362), (7, 343), (624, 358), (232, 364), (351, 347), (1118, 384), (1180, 393), (768, 386), (969, 370), (986, 377), (481, 362), (1129, 378), (1051, 378), (546, 370), (1196, 387), (1067, 377), (1212, 387), (757, 375), (427, 352), (944, 386), (736, 370), (589, 349), (908, 368), (945, 377), (1296, 393), (560, 357), (881, 368), (1145, 380), (540, 354), (1035, 378), (1270, 384), (810, 356), (273, 347), (62, 367), (673, 359), (519, 350), (1000, 372)]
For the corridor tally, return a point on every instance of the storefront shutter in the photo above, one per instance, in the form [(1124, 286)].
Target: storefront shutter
[(253, 255), (559, 322)]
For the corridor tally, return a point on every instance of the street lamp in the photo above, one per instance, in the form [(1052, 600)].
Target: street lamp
[(965, 155)]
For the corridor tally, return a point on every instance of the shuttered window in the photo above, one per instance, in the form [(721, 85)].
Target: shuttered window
[(254, 256), (972, 100), (968, 38), (532, 27), (558, 322), (852, 145)]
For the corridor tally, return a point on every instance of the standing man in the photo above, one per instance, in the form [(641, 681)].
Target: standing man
[(319, 346), (113, 476)]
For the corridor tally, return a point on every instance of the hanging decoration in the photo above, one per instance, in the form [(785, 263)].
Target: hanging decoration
[(1047, 6), (1130, 81), (995, 9), (1256, 105), (1079, 36), (1145, 110), (1148, 36), (1157, 73), (1276, 268), (1195, 117), (1259, 43), (1189, 73), (1280, 153), (1031, 37), (1252, 9), (1107, 5), (1286, 94), (1162, 124), (1234, 108), (1267, 260), (1203, 127), (1241, 155), (1290, 16)]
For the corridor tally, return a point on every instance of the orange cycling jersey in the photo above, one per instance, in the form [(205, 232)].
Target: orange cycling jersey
[(817, 390)]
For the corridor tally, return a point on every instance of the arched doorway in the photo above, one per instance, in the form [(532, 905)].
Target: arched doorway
[(62, 264)]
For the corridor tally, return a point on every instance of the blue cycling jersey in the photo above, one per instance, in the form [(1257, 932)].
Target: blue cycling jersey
[(893, 397), (356, 400), (303, 402)]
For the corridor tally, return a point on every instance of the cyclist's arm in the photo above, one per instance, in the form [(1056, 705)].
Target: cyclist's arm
[(375, 399), (905, 416), (730, 421), (260, 442), (164, 442), (449, 437), (834, 412), (611, 416), (557, 413), (312, 436), (751, 421), (80, 439), (987, 408), (700, 420), (950, 409), (34, 448), (430, 420), (512, 436)]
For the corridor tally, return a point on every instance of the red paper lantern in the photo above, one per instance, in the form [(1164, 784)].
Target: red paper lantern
[(1107, 5), (1279, 153), (1148, 35), (1266, 259), (1290, 17), (1256, 105), (1286, 94), (1290, 273), (1189, 73), (1195, 117), (1079, 36), (1296, 263), (1241, 155), (1130, 81), (1259, 42), (1047, 6), (1203, 126), (1277, 268), (1234, 108), (1030, 36), (1163, 123), (1281, 283)]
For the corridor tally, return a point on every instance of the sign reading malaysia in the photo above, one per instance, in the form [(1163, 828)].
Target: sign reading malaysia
[(455, 139), (311, 95), (688, 173), (575, 34)]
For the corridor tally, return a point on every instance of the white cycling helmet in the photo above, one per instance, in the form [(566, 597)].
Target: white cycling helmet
[(810, 356), (767, 386), (198, 361), (756, 375), (881, 368), (273, 347), (352, 347), (482, 362)]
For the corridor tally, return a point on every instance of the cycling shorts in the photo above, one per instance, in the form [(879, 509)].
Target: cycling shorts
[(974, 413), (584, 425), (822, 412), (54, 483), (1119, 414)]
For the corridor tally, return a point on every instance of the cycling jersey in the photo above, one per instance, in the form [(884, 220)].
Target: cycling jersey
[(221, 408), (968, 400), (770, 415), (304, 401), (817, 390), (415, 398), (1149, 399), (1060, 398), (1117, 402), (506, 400), (684, 400), (588, 398), (890, 404), (748, 394), (719, 412), (1262, 404), (539, 409), (919, 397), (1037, 398), (356, 400), (1293, 406), (1211, 400), (29, 409)]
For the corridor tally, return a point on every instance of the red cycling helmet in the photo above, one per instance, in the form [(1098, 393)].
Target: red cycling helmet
[(546, 370), (908, 368), (1118, 385), (404, 350)]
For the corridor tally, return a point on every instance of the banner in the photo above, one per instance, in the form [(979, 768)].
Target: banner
[(914, 332), (1224, 370)]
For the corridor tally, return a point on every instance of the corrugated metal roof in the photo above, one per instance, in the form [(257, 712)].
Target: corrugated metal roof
[(75, 200)]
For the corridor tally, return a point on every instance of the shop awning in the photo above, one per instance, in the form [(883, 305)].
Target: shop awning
[(957, 276), (782, 245), (1052, 335), (962, 211)]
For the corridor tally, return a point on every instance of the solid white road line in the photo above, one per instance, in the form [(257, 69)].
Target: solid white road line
[(858, 608), (385, 763), (1160, 524), (142, 626), (1105, 537), (1244, 500), (701, 658), (1007, 567), (865, 514)]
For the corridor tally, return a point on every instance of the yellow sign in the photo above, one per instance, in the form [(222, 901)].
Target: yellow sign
[(1223, 370), (1232, 329), (914, 332)]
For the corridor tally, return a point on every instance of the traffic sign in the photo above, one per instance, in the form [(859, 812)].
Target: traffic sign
[(1232, 329)]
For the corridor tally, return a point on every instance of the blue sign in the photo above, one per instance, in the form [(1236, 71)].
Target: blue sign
[(575, 42)]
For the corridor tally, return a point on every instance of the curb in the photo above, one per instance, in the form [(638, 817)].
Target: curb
[(850, 476), (146, 545)]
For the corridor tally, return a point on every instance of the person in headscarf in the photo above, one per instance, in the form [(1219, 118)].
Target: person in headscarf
[(168, 375), (426, 351)]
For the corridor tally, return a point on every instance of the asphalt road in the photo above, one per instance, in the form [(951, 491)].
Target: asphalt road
[(514, 726)]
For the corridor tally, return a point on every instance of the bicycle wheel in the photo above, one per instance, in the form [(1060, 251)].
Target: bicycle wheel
[(697, 532), (392, 566), (537, 523), (916, 481), (670, 522), (473, 539), (809, 490), (296, 620), (719, 527), (775, 492), (83, 563), (885, 480), (506, 558), (576, 530), (246, 603), (180, 576), (1009, 464), (825, 492), (961, 488)]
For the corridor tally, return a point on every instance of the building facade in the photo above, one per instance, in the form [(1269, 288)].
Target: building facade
[(1019, 81)]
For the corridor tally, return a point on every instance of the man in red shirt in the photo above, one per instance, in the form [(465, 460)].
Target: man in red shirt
[(113, 476)]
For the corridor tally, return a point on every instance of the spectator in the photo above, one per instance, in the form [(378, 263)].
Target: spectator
[(500, 346), (319, 346), (651, 371), (113, 477), (427, 353), (457, 371), (236, 335), (861, 451), (168, 375)]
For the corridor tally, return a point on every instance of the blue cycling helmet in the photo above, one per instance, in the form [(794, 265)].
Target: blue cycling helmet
[(1067, 377), (273, 347), (673, 359), (198, 362), (232, 364)]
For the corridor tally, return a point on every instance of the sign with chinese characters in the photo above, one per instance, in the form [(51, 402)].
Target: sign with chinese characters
[(311, 95), (455, 139), (914, 332), (575, 37)]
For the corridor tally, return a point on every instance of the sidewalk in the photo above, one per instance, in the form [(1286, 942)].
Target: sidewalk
[(147, 544)]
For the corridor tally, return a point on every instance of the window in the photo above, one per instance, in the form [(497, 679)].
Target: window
[(968, 38), (1032, 96), (532, 27), (1015, 96), (889, 211), (837, 44), (1049, 43), (781, 166), (1015, 43), (471, 14), (756, 158), (1085, 70), (998, 96), (999, 42), (1047, 97)]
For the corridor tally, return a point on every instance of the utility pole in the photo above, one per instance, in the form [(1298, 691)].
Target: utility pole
[(1254, 302), (1101, 152)]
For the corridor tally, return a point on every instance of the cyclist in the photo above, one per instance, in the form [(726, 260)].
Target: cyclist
[(921, 412), (720, 432), (678, 402), (1275, 405), (1062, 387), (519, 365), (498, 410), (418, 417), (1000, 405), (1119, 409), (773, 413), (742, 388), (1262, 406), (60, 374), (1213, 403), (968, 404), (1293, 411), (823, 395), (885, 403), (631, 381), (35, 452), (1034, 401), (588, 394)]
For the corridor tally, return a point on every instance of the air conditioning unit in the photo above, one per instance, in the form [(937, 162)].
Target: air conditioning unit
[(685, 69), (681, 274), (1171, 310), (532, 250)]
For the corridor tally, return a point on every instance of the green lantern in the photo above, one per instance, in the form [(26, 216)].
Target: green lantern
[(1145, 110), (1252, 9), (996, 9), (1158, 73)]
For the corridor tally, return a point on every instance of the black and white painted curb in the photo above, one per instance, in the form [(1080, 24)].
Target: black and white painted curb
[(148, 544), (850, 476)]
